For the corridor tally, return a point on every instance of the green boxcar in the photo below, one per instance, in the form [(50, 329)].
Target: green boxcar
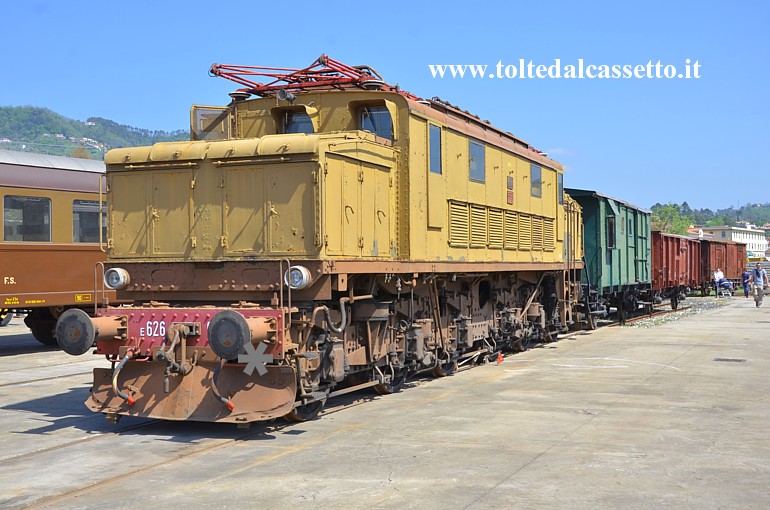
[(617, 242)]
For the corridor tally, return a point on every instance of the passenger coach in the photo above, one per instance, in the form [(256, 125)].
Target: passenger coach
[(52, 226)]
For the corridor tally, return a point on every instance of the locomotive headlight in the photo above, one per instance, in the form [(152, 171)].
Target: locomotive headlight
[(298, 277), (116, 278)]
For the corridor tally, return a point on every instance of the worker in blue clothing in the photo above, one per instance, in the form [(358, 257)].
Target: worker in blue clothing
[(759, 280), (746, 281)]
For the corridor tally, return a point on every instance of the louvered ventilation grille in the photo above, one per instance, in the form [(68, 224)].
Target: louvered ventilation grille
[(525, 232), (478, 226), (537, 233), (549, 239), (458, 224), (495, 228), (511, 230)]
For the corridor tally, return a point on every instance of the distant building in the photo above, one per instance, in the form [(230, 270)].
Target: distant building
[(756, 242), (766, 228), (698, 232)]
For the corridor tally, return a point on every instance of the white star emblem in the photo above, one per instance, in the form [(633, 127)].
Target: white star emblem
[(255, 358)]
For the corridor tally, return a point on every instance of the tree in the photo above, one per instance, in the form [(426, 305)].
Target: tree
[(668, 218), (82, 153)]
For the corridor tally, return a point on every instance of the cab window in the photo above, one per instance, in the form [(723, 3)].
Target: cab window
[(376, 119), (297, 122), (210, 123), (476, 161), (536, 183), (434, 149), (27, 219)]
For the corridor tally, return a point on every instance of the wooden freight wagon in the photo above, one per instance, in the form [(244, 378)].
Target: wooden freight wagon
[(676, 265), (728, 256)]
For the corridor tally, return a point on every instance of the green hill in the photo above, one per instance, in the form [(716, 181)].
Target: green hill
[(676, 219), (32, 129)]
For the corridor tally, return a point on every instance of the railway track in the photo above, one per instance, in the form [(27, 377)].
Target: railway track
[(212, 445), (656, 313), (79, 441), (117, 477)]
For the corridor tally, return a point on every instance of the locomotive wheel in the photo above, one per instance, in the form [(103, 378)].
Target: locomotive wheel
[(43, 333), (590, 319), (675, 300), (305, 413), (5, 317), (42, 323), (523, 344), (444, 368), (395, 384), (551, 336), (648, 309), (621, 313)]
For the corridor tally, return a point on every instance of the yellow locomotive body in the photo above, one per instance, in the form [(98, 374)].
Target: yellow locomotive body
[(341, 193), (349, 237)]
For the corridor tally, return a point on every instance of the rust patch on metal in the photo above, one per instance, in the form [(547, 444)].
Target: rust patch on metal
[(191, 397)]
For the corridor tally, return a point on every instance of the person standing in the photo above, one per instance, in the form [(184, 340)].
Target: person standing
[(759, 279), (718, 277), (746, 281)]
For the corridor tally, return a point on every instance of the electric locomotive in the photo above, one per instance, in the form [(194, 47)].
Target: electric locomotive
[(324, 232)]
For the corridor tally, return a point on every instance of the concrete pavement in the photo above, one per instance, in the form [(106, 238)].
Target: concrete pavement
[(674, 416)]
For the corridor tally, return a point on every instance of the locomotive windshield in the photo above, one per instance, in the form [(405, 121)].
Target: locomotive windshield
[(297, 122), (377, 120)]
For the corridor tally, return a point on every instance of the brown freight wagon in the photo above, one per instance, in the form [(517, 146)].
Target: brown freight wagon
[(51, 234), (676, 265), (728, 256)]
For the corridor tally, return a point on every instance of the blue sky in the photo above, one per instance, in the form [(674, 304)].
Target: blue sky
[(702, 141)]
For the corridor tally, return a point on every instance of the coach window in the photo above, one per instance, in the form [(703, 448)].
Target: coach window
[(27, 219), (85, 221), (434, 148), (560, 187), (476, 161), (536, 182), (610, 231), (377, 120)]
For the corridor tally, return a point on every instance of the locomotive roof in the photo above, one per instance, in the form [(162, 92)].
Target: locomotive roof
[(326, 74), (46, 161), (574, 192)]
